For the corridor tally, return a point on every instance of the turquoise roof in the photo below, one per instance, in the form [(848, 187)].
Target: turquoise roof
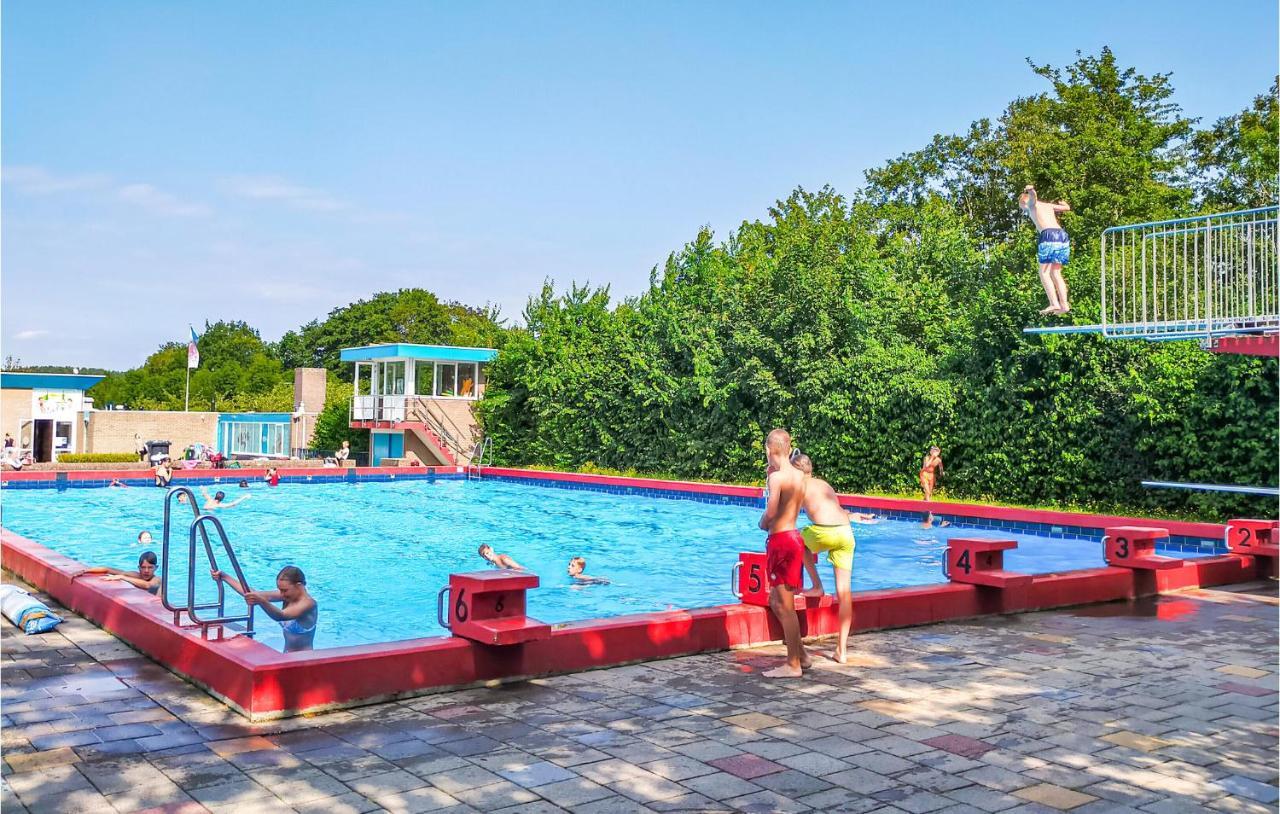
[(48, 381), (269, 418), (439, 353)]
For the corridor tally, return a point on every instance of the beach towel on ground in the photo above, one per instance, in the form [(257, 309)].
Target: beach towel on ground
[(25, 611)]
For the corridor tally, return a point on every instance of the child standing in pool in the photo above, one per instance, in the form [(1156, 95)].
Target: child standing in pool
[(300, 613)]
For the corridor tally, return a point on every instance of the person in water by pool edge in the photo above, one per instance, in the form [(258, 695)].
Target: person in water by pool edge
[(300, 613), (500, 560), (147, 577), (577, 566)]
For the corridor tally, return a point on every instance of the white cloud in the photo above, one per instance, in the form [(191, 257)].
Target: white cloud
[(159, 201), (35, 180), (272, 188), (34, 334)]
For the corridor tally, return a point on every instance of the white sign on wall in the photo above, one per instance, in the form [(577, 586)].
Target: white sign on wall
[(60, 404)]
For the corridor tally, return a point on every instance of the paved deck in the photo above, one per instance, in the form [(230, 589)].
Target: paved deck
[(1163, 706)]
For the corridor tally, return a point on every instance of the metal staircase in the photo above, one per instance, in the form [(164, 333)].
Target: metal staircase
[(188, 604)]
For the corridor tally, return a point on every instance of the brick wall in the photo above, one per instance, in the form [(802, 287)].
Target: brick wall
[(309, 388), (123, 430)]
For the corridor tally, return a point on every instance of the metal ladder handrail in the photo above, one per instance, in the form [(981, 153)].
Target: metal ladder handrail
[(221, 619), (177, 610), (483, 447)]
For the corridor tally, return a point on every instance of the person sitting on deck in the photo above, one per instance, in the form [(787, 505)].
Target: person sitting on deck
[(577, 566), (828, 531), (215, 501), (300, 613), (500, 560), (343, 453), (146, 577)]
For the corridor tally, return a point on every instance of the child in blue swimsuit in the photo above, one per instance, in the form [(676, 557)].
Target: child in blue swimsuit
[(300, 613)]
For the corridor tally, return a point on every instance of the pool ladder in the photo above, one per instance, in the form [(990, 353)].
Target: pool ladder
[(193, 610), (483, 449)]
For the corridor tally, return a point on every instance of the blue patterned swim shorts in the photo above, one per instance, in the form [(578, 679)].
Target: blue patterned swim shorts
[(1054, 247)]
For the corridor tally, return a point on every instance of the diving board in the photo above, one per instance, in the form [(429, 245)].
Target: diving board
[(1266, 491)]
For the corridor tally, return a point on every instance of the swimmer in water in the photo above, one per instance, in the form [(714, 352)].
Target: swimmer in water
[(300, 613), (146, 577), (144, 538), (576, 567), (215, 501), (500, 560), (927, 522)]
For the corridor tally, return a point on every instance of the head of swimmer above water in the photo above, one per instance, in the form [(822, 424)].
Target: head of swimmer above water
[(576, 566), (485, 551), (147, 564), (219, 496), (291, 583)]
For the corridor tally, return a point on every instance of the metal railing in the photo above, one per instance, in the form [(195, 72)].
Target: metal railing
[(445, 428), (377, 408), (1192, 277), (483, 450), (189, 605)]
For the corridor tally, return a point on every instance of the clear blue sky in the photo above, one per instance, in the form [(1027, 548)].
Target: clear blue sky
[(167, 163)]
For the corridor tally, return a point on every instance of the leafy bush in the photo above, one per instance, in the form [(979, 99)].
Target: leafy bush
[(98, 458)]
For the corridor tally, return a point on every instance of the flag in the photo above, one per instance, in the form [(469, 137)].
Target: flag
[(193, 353)]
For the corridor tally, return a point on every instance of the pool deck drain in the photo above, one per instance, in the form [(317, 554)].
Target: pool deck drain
[(1164, 705)]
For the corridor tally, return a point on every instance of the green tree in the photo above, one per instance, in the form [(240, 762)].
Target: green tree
[(1237, 160)]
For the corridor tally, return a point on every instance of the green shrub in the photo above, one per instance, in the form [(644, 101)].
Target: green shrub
[(98, 458)]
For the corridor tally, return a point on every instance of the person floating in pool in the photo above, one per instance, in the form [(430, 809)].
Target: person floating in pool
[(577, 566), (144, 538), (929, 520), (216, 500), (300, 613), (1053, 247), (116, 483), (146, 577), (828, 531), (785, 548), (500, 560), (930, 471)]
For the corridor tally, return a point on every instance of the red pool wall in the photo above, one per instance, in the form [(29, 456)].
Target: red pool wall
[(263, 683)]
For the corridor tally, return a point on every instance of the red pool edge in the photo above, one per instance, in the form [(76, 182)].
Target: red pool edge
[(262, 683)]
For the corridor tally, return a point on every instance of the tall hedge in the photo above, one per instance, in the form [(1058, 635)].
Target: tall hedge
[(875, 326)]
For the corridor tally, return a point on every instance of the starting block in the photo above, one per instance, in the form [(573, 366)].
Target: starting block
[(1257, 538), (981, 562), (489, 607), (750, 583), (1135, 547)]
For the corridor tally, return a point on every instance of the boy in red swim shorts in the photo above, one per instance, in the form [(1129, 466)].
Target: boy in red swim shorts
[(785, 549)]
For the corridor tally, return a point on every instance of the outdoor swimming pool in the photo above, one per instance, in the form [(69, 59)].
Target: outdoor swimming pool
[(376, 554)]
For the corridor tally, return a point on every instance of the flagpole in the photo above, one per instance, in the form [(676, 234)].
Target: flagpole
[(186, 400)]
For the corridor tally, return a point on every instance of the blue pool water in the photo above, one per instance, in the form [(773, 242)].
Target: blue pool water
[(375, 554)]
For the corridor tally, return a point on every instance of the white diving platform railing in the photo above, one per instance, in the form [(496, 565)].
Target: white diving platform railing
[(1266, 491), (1192, 278)]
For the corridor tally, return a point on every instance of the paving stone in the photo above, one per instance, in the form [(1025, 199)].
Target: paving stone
[(720, 785), (746, 767), (495, 795), (413, 801), (1132, 740), (1252, 789), (1054, 796), (766, 802), (568, 793)]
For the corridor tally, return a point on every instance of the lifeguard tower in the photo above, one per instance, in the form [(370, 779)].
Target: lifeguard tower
[(416, 401), (1214, 279)]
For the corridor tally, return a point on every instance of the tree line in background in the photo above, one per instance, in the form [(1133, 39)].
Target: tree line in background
[(871, 325), (877, 324)]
